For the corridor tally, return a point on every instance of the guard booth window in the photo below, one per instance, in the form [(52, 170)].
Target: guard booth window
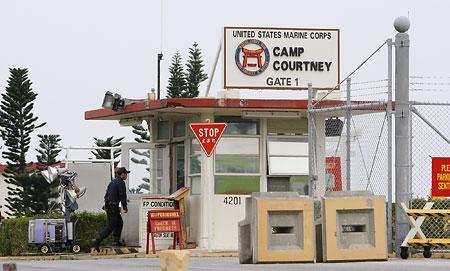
[(179, 128), (195, 164), (179, 167), (163, 130), (237, 157), (287, 164), (239, 126)]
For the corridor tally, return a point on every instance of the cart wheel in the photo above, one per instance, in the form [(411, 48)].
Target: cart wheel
[(427, 252), (404, 253), (75, 248), (44, 248)]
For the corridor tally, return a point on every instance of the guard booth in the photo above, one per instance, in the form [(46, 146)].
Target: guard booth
[(264, 148)]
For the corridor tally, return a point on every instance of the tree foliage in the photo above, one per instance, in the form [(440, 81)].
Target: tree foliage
[(177, 79), (194, 71), (17, 123), (143, 137), (48, 150), (108, 142)]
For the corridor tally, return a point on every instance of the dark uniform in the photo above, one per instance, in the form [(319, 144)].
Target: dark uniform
[(115, 193)]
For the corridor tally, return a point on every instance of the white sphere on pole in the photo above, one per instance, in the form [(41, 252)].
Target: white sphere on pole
[(401, 24)]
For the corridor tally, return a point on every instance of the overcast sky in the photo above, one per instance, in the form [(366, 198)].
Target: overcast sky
[(77, 50)]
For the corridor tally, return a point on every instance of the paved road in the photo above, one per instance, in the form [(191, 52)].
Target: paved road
[(230, 264)]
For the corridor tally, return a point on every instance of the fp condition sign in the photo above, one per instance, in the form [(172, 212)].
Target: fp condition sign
[(281, 58)]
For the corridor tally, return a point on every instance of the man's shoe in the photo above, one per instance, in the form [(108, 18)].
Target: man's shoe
[(96, 245), (118, 244)]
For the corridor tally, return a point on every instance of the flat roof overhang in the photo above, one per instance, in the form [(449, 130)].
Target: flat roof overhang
[(148, 109)]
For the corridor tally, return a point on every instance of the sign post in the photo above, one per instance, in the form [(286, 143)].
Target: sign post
[(440, 176), (208, 135)]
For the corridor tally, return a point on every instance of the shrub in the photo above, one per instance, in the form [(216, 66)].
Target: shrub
[(14, 232)]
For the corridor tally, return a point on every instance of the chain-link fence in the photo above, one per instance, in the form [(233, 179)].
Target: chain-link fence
[(351, 142), (430, 135), (430, 131), (367, 143)]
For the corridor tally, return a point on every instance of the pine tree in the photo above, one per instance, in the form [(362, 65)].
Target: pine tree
[(17, 123), (45, 193), (194, 71), (106, 154), (144, 137), (48, 150), (177, 80)]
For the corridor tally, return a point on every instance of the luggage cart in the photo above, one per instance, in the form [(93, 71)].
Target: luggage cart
[(415, 231)]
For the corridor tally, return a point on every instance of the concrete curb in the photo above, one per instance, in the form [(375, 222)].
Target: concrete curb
[(150, 256), (122, 256)]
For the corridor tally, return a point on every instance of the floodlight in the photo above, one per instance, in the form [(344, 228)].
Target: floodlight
[(108, 101), (69, 191), (81, 191), (52, 173), (113, 101), (71, 195)]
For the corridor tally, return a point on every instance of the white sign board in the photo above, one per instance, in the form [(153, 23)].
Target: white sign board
[(280, 58), (162, 240)]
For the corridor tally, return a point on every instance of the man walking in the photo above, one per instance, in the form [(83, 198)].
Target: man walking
[(115, 193)]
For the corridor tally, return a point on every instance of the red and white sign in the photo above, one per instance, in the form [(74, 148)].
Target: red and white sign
[(159, 221), (208, 135), (280, 58), (333, 173), (440, 176)]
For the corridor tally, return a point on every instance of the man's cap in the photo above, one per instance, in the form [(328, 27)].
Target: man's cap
[(122, 170)]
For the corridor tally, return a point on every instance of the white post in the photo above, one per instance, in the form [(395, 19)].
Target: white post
[(207, 195), (389, 124), (112, 163), (349, 119), (402, 129), (311, 145)]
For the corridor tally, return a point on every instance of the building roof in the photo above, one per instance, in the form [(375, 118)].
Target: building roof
[(190, 105)]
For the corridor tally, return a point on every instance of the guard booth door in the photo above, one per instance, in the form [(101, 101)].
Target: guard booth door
[(149, 164), (177, 166)]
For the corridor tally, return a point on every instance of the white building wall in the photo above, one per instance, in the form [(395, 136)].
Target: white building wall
[(3, 195)]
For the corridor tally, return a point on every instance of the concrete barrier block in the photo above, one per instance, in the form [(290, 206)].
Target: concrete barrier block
[(354, 227), (244, 242), (174, 260), (284, 230), (278, 227)]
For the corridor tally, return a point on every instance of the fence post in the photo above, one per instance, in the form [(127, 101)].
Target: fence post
[(311, 144), (349, 119), (389, 124), (112, 163), (402, 130)]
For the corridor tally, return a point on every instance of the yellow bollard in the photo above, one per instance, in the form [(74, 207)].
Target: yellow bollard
[(174, 260), (9, 267)]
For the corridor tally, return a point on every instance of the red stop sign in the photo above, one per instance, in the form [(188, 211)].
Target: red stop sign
[(208, 135)]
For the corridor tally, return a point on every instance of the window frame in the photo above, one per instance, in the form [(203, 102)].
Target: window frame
[(260, 154), (296, 138), (259, 173)]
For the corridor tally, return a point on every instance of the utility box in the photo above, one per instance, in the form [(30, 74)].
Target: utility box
[(41, 231), (278, 227), (353, 227)]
